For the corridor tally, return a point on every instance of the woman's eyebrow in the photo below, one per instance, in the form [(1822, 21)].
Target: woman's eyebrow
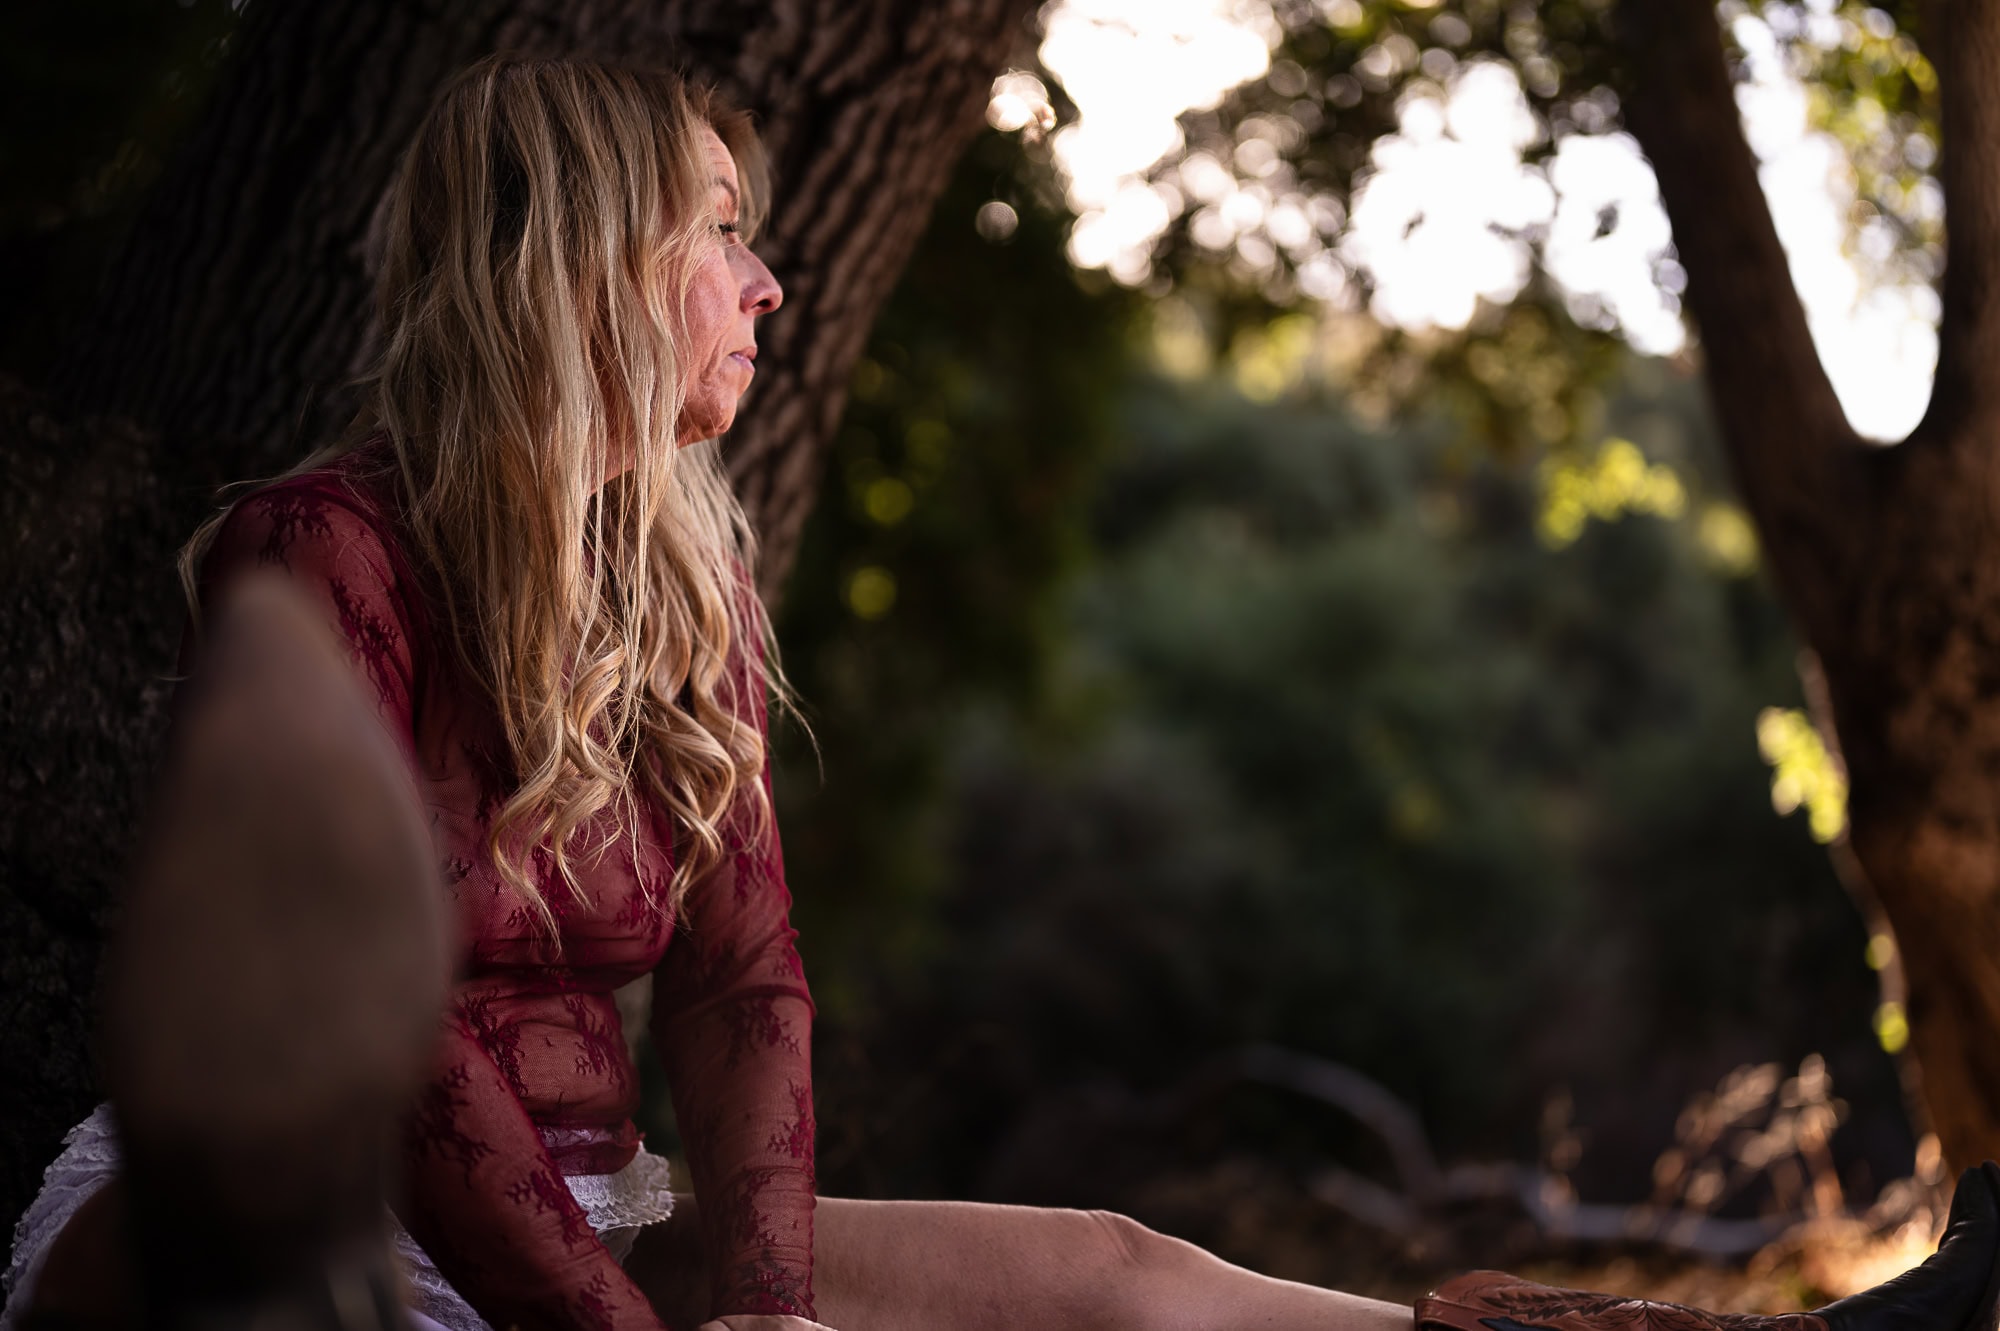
[(725, 183)]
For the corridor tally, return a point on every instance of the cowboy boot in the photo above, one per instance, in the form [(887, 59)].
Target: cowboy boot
[(272, 1000), (1954, 1290)]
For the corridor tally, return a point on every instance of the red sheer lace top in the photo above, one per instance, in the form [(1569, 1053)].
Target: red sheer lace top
[(533, 1078)]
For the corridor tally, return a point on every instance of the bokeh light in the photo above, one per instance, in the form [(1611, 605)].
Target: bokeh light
[(1449, 210)]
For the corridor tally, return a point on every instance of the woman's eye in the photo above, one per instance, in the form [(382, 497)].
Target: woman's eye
[(727, 228)]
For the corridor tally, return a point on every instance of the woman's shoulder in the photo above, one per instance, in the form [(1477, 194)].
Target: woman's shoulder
[(336, 529), (335, 513), (331, 531)]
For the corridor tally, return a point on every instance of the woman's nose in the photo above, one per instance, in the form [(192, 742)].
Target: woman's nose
[(761, 292)]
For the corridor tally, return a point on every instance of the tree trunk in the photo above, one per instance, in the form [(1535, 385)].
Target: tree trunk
[(1886, 556), (241, 306)]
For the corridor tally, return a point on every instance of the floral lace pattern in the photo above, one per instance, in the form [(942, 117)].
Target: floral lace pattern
[(89, 1158), (533, 1086), (616, 1205)]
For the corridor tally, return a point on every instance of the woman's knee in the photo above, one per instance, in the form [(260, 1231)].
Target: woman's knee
[(1126, 1243), (1133, 1276)]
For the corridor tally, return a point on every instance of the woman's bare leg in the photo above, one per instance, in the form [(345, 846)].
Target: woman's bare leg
[(966, 1266)]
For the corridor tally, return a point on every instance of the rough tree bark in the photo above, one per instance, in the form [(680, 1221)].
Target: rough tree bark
[(240, 307), (1885, 555)]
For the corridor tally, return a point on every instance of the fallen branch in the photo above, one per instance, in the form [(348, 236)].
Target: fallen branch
[(1430, 1194)]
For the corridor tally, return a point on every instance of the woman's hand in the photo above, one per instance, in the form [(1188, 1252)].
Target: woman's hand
[(761, 1323)]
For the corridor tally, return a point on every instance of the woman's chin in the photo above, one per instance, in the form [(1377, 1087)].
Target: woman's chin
[(705, 421), (695, 433)]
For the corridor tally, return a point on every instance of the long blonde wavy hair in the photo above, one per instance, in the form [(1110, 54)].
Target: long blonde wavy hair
[(541, 238)]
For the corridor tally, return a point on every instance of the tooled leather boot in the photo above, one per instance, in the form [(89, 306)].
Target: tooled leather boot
[(273, 995), (1954, 1290)]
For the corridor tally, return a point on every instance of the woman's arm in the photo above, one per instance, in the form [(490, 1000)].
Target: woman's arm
[(481, 1193), (732, 1021), (491, 1209)]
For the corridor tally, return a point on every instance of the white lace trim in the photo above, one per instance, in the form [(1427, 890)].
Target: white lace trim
[(639, 1194), (618, 1205), (89, 1158)]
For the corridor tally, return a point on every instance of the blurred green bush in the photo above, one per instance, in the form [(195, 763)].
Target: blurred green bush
[(1161, 722)]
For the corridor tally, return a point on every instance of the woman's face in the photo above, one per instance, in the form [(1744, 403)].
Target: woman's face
[(731, 288)]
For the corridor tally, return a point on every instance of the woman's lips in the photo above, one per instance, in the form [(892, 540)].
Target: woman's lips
[(747, 359)]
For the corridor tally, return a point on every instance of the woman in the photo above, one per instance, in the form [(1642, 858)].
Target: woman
[(542, 581)]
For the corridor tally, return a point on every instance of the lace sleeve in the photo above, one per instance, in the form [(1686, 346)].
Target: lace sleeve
[(482, 1195), (338, 561), (492, 1211), (732, 1020)]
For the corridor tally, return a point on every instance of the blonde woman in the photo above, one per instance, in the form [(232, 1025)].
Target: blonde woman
[(542, 586)]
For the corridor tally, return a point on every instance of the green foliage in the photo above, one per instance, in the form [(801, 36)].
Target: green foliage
[(1341, 74), (1803, 773), (1343, 70), (1207, 722), (1522, 379), (1303, 139), (952, 504), (1871, 86), (1305, 134)]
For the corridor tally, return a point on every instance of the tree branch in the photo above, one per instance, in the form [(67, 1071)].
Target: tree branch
[(1966, 388), (1797, 460)]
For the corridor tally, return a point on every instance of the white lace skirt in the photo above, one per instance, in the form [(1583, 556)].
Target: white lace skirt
[(618, 1205)]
